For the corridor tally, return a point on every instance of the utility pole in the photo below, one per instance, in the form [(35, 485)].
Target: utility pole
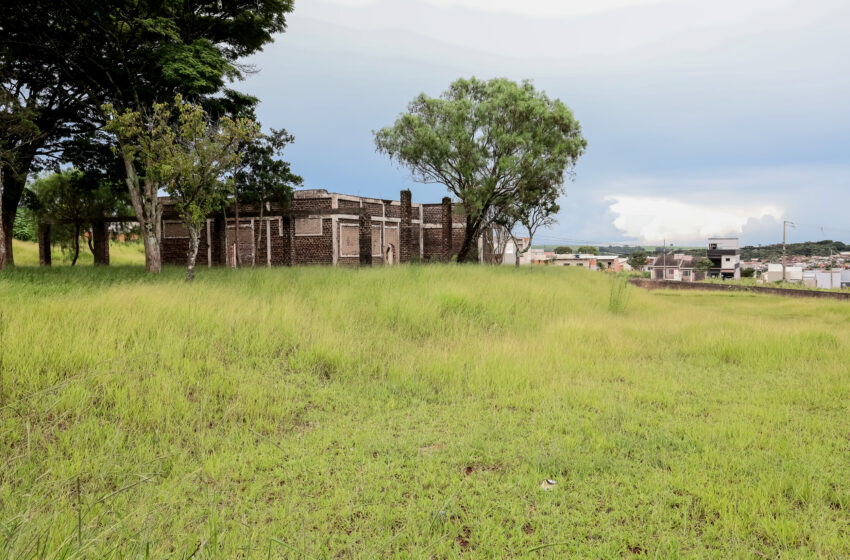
[(784, 224)]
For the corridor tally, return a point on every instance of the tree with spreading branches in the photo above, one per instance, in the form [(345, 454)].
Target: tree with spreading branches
[(191, 155), (486, 141)]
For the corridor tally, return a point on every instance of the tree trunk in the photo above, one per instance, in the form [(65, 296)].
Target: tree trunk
[(147, 209), (470, 235), (76, 244), (192, 257), (2, 226), (13, 188), (90, 241)]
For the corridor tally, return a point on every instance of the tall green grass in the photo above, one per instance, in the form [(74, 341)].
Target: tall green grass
[(414, 411), (120, 254)]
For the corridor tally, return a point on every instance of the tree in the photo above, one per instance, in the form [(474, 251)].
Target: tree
[(72, 201), (128, 55), (637, 260), (534, 206), (17, 131), (52, 109), (588, 249), (190, 155), (563, 250), (748, 272), (705, 265), (264, 178), (485, 141)]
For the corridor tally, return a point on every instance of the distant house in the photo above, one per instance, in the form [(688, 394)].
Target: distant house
[(774, 273), (581, 260), (537, 256), (591, 262), (676, 268), (826, 279), (725, 255), (513, 249)]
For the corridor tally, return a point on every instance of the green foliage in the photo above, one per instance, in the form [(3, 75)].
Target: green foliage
[(704, 265), (25, 227), (563, 250), (71, 200), (414, 414), (748, 272), (588, 249), (637, 259), (264, 177), (621, 250), (192, 157), (498, 146), (807, 249)]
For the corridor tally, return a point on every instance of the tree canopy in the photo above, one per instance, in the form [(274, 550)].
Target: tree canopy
[(491, 143), (588, 249), (191, 156), (130, 55), (637, 259)]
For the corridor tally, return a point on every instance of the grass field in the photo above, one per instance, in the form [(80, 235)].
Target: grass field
[(121, 254), (413, 412)]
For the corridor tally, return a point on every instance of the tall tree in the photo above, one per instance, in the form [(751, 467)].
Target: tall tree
[(131, 54), (484, 140), (264, 178), (17, 133), (190, 155)]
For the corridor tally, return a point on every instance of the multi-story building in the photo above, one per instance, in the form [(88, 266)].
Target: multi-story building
[(725, 255)]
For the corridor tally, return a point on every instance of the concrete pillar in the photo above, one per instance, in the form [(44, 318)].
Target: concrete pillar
[(365, 238), (44, 256), (406, 230), (100, 243), (447, 229)]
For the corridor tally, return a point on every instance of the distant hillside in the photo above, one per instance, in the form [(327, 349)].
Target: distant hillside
[(807, 249), (748, 252)]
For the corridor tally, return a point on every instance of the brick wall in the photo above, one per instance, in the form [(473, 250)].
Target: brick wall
[(288, 249), (315, 249)]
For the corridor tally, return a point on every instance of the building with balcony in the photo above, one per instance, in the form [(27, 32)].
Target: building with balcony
[(725, 255)]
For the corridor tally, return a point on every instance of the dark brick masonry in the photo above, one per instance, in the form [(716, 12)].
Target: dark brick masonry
[(316, 229)]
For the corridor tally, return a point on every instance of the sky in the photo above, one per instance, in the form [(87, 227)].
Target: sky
[(703, 117)]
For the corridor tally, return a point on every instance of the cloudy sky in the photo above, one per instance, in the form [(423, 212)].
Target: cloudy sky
[(703, 117)]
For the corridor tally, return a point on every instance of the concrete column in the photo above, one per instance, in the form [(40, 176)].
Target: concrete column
[(447, 229), (100, 243), (44, 256), (365, 238), (406, 230)]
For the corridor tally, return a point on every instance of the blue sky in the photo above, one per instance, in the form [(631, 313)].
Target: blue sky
[(703, 118)]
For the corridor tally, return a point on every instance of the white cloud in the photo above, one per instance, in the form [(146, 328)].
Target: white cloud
[(651, 219)]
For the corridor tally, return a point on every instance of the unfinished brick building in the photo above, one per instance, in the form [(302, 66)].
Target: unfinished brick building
[(323, 228)]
